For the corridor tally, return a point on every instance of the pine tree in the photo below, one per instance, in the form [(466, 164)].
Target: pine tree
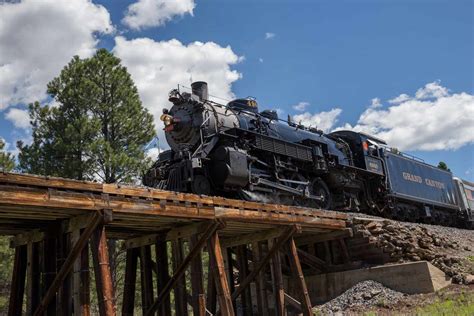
[(7, 161), (99, 128), (442, 165)]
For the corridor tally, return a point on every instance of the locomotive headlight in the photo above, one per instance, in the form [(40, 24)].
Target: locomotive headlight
[(167, 119)]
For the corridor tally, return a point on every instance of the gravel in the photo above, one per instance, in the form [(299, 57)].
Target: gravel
[(364, 294)]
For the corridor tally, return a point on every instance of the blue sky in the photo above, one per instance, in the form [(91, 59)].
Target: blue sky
[(346, 59)]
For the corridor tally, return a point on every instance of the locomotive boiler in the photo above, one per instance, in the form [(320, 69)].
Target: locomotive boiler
[(234, 150)]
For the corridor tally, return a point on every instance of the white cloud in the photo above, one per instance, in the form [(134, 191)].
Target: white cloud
[(432, 90), (324, 120), (149, 13), (19, 118), (269, 35), (375, 103), (301, 106), (433, 120), (37, 38), (401, 98), (159, 66), (260, 59)]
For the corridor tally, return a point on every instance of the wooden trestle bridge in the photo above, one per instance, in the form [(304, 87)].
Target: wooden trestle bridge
[(254, 249)]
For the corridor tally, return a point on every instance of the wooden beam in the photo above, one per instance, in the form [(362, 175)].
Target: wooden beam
[(252, 237), (180, 295), (211, 301), (198, 297), (277, 281), (49, 270), (297, 272), (219, 276), (33, 236), (182, 268), (130, 283), (313, 261), (17, 289), (95, 220), (146, 278), (103, 275), (163, 275), (312, 239), (261, 289), (33, 278), (81, 279), (246, 297), (280, 241)]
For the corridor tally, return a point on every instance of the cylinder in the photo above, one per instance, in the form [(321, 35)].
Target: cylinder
[(199, 88)]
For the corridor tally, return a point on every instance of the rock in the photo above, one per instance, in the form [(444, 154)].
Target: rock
[(467, 248), (469, 279)]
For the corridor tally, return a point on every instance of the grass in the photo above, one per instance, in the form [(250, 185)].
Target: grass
[(462, 305)]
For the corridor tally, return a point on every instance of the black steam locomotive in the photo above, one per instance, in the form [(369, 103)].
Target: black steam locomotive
[(236, 151)]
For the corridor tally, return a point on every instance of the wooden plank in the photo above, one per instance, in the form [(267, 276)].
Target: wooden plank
[(220, 278), (312, 239), (297, 272), (51, 182), (130, 282), (17, 289)]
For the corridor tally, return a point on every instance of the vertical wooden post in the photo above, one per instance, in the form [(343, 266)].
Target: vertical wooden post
[(18, 281), (261, 292), (81, 281), (163, 274), (220, 279), (196, 282), (103, 277), (129, 286), (64, 294), (49, 270), (277, 277), (229, 269), (245, 297), (295, 264), (146, 278), (33, 278), (211, 287), (180, 296)]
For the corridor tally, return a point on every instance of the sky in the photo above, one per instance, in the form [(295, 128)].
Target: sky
[(401, 70)]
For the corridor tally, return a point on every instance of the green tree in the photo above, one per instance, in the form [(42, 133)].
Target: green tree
[(442, 165), (7, 161), (98, 129)]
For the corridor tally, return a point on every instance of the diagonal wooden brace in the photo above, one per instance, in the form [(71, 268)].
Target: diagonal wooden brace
[(96, 219), (279, 243), (182, 268)]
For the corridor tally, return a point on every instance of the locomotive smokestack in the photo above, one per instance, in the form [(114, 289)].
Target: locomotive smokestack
[(199, 88)]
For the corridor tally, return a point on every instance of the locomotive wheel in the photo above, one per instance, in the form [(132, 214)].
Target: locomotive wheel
[(201, 185), (319, 188)]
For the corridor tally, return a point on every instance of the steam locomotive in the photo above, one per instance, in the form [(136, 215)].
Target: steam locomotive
[(234, 150)]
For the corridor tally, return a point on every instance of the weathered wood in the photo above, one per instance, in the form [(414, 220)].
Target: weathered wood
[(163, 275), (277, 281), (33, 278), (220, 278), (252, 237), (260, 284), (312, 239), (130, 282), (146, 278), (17, 289), (297, 272), (198, 297), (246, 297), (345, 253), (273, 249), (103, 276), (182, 268), (180, 296), (49, 271), (66, 267), (312, 261), (81, 279), (64, 297), (211, 295)]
